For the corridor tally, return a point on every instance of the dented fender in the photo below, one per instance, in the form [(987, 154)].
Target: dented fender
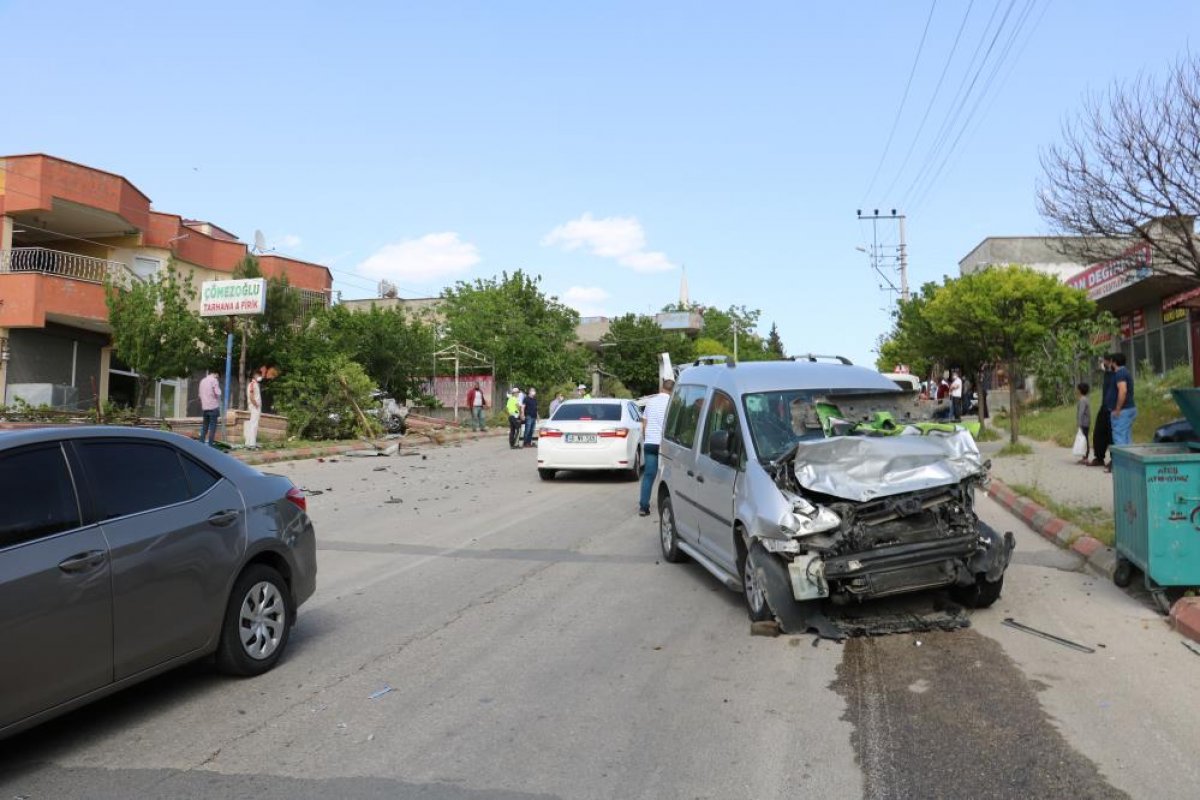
[(994, 553)]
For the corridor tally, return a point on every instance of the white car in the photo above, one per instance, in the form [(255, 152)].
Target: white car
[(591, 434)]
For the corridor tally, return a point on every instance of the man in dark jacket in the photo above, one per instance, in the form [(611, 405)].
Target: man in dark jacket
[(531, 412), (1102, 435)]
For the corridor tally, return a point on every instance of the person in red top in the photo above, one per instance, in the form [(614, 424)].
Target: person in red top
[(476, 402)]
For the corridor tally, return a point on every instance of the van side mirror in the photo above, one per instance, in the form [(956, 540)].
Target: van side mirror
[(719, 447)]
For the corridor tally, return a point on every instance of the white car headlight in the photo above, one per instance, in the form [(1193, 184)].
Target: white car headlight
[(805, 519)]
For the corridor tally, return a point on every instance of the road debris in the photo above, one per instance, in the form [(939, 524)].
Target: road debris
[(1012, 623), (1191, 647), (765, 628), (380, 693)]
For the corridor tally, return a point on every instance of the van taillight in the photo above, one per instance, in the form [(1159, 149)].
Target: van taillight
[(298, 499)]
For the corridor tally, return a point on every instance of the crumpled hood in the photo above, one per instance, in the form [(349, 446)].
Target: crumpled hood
[(863, 468)]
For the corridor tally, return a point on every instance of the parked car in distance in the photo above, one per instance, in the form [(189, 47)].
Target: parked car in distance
[(591, 434), (1177, 430), (126, 552), (781, 480)]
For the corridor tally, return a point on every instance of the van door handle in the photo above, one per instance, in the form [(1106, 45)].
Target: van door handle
[(223, 519), (699, 479), (82, 562)]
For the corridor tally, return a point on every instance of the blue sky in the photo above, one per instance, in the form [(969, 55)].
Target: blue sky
[(600, 145)]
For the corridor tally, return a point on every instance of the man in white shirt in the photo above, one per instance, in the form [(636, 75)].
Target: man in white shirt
[(653, 419), (254, 404), (956, 395)]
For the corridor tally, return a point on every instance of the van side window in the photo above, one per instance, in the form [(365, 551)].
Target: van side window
[(37, 495), (683, 415), (722, 416)]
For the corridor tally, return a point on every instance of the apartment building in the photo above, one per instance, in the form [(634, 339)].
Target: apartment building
[(65, 230)]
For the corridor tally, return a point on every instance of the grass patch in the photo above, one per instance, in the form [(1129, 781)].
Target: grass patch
[(1155, 407), (1095, 521), (1018, 449), (988, 434)]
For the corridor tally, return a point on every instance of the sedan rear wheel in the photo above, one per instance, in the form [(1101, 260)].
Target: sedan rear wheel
[(636, 471), (258, 622)]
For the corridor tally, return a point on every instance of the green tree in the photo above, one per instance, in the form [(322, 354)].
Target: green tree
[(394, 348), (725, 326), (631, 348), (321, 395), (914, 342), (529, 336), (1068, 356), (1001, 315), (774, 343), (154, 329)]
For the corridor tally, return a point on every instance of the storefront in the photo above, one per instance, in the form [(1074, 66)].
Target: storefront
[(1159, 329)]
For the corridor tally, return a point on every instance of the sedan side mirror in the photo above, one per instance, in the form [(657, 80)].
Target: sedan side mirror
[(720, 448)]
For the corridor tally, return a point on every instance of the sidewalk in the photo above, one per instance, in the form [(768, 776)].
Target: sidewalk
[(1054, 471), (259, 457)]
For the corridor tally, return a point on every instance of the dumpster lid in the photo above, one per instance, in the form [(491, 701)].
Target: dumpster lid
[(1188, 401)]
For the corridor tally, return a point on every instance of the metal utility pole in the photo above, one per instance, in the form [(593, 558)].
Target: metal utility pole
[(902, 249)]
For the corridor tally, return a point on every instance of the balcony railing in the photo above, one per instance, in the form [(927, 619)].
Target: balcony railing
[(67, 265)]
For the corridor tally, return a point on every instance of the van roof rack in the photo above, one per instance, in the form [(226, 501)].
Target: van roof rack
[(814, 357), (708, 360)]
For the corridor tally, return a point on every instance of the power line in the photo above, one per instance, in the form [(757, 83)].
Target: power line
[(933, 99), (983, 94), (903, 99), (965, 86)]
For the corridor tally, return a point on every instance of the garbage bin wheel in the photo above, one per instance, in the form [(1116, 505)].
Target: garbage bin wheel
[(1123, 573)]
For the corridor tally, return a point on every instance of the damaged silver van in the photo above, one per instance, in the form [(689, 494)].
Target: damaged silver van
[(806, 482)]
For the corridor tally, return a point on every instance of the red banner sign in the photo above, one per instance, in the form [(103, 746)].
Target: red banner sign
[(1100, 280)]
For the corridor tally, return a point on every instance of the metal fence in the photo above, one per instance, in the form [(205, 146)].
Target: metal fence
[(68, 265)]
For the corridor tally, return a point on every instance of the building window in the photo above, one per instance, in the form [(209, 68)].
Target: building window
[(1175, 344), (1154, 344), (1140, 352)]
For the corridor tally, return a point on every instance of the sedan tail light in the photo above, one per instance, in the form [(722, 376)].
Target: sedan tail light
[(615, 433), (296, 496), (549, 433)]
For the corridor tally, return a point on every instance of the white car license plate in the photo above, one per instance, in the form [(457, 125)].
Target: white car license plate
[(582, 438)]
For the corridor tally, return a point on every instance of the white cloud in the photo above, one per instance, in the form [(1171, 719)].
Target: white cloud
[(289, 241), (619, 238), (432, 257), (587, 300)]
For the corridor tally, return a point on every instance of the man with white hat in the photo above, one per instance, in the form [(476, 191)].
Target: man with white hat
[(515, 417)]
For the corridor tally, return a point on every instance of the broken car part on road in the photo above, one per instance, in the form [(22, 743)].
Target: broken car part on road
[(1012, 623)]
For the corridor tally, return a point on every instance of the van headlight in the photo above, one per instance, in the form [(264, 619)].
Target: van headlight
[(806, 519)]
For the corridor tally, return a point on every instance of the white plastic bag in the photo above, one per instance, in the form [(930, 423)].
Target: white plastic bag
[(1081, 444)]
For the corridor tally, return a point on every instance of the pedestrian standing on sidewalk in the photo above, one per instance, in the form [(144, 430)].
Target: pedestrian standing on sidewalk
[(254, 405), (1124, 410), (477, 403), (513, 409), (653, 419), (531, 412), (210, 406), (1102, 433), (956, 396), (1083, 417)]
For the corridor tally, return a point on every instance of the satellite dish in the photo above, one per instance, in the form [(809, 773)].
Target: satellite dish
[(387, 289), (260, 243)]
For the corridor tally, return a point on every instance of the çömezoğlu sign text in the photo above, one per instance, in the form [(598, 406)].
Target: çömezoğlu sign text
[(221, 298)]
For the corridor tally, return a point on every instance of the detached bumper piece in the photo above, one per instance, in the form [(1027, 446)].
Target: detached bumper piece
[(904, 567)]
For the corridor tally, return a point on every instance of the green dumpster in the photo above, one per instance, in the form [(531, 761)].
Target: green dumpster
[(1156, 509)]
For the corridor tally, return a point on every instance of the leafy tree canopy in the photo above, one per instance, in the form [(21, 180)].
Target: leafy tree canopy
[(631, 348), (394, 348), (529, 336), (155, 330)]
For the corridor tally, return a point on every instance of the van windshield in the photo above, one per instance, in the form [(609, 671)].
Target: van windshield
[(779, 419)]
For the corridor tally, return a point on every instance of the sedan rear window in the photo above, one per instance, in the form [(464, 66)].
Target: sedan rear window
[(584, 412), (128, 477)]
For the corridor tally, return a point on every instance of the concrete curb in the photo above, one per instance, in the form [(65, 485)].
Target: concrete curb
[(260, 457), (1098, 557)]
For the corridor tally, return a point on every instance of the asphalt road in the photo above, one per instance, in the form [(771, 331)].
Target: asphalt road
[(479, 633)]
